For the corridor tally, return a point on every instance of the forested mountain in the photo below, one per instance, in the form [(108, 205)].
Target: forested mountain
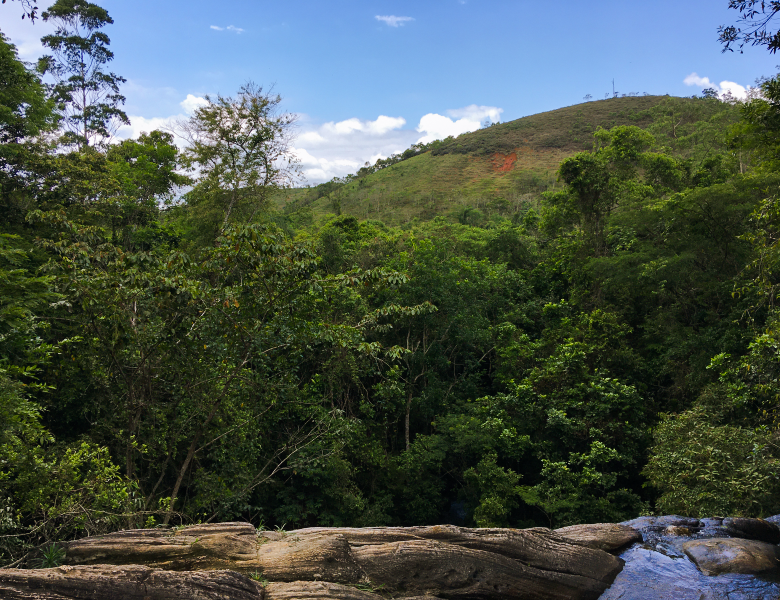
[(566, 318)]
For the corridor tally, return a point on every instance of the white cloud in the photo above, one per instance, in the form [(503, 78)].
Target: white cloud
[(393, 21), (379, 127), (725, 87), (232, 28), (469, 118), (25, 34), (335, 149), (736, 90), (477, 113), (191, 103), (338, 148), (319, 169), (310, 138), (139, 125), (702, 82)]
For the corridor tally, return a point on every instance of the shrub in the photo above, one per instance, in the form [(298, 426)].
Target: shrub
[(703, 469)]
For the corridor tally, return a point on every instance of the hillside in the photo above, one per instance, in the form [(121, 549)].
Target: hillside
[(500, 171)]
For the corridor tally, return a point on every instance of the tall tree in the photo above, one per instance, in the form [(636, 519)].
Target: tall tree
[(89, 96), (241, 148)]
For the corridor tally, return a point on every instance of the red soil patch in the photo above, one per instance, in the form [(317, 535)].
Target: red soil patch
[(502, 163)]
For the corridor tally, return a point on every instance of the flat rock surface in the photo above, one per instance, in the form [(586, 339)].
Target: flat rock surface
[(128, 582), (230, 560), (601, 536), (538, 547), (749, 557), (415, 567), (316, 590), (445, 560), (308, 557), (198, 547)]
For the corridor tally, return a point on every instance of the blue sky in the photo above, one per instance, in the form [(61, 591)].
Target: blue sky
[(364, 87)]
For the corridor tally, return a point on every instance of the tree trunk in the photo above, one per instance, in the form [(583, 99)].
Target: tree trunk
[(188, 460), (406, 420)]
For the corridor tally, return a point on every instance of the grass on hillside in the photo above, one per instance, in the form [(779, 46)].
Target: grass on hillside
[(502, 170), (569, 129)]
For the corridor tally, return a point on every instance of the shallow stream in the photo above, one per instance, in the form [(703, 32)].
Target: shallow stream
[(658, 569)]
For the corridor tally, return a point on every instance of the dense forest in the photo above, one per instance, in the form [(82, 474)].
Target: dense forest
[(183, 339)]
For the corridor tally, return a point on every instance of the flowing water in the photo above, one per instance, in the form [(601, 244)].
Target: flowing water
[(658, 569)]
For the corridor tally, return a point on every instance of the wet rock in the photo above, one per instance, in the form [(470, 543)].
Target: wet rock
[(651, 575), (774, 519), (665, 532), (133, 582), (677, 531), (660, 569), (418, 563), (749, 557), (752, 529), (601, 536), (661, 523)]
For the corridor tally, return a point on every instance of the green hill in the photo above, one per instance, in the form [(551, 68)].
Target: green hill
[(500, 171)]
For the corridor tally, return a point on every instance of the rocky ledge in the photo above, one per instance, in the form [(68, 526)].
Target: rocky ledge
[(234, 561)]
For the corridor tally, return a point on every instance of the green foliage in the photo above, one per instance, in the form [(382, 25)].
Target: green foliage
[(701, 468), (598, 181), (258, 577), (78, 489), (57, 493), (52, 556), (750, 381), (22, 354), (692, 129), (758, 132), (502, 357), (583, 489), (26, 114), (147, 167), (496, 490), (24, 108)]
